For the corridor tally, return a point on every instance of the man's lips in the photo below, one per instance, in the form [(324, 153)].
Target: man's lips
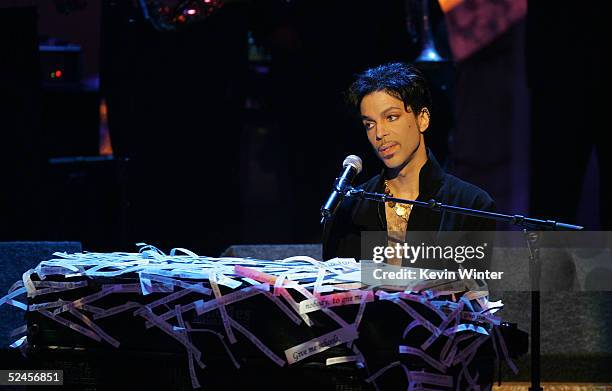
[(388, 148)]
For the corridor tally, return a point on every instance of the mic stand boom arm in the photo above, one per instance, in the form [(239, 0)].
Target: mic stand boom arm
[(532, 238), (518, 220)]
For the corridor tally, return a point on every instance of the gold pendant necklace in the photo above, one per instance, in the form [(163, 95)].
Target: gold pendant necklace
[(402, 210)]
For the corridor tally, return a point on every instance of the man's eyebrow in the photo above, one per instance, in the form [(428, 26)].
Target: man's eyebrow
[(390, 108), (365, 117)]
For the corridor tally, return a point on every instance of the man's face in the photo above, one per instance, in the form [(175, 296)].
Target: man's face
[(394, 132)]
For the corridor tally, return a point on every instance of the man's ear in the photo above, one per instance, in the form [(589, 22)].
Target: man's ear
[(423, 119)]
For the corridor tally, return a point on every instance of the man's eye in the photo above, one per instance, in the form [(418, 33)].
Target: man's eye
[(368, 125), (392, 117)]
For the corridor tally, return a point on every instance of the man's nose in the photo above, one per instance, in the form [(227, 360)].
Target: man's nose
[(381, 131)]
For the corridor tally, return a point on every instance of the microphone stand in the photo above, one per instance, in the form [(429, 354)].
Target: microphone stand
[(518, 220), (532, 238)]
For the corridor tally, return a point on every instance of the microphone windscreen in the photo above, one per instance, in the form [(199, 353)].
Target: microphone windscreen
[(354, 161)]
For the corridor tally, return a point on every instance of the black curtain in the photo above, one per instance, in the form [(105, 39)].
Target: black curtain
[(175, 103), (569, 77), (19, 124)]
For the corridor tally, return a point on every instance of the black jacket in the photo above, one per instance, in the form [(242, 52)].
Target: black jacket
[(342, 235)]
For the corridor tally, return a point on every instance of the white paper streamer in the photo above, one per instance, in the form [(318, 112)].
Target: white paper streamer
[(330, 284), (221, 306), (71, 325), (192, 374), (319, 344), (12, 295), (95, 327), (279, 361)]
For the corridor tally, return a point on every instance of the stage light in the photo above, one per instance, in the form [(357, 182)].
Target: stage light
[(172, 15), (56, 74), (60, 64)]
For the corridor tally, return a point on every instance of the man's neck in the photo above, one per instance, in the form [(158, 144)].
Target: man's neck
[(405, 179)]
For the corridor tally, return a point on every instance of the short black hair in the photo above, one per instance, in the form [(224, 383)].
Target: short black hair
[(400, 80)]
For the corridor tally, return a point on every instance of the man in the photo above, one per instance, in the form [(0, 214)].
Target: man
[(394, 102)]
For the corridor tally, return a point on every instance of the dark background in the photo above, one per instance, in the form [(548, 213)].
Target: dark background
[(232, 129)]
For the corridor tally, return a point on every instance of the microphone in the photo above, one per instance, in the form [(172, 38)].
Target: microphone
[(351, 166)]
